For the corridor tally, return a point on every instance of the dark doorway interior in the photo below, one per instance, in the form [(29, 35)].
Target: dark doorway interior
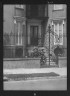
[(34, 35)]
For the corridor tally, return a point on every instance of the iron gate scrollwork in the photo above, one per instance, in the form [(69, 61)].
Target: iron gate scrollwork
[(51, 59)]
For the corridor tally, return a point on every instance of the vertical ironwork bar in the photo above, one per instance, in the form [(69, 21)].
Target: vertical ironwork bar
[(14, 35), (49, 44), (26, 33)]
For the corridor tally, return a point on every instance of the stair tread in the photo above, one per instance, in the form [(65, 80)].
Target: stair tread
[(49, 66)]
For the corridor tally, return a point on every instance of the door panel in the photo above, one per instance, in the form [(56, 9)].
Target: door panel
[(34, 35)]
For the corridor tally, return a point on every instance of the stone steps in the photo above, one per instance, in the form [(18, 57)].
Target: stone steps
[(52, 63), (45, 66)]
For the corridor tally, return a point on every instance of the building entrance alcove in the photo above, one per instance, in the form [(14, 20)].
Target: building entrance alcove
[(34, 35)]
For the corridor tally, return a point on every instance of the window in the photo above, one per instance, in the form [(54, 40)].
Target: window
[(11, 50), (58, 6), (34, 35), (58, 29), (20, 6), (19, 12), (61, 33), (56, 33), (19, 34)]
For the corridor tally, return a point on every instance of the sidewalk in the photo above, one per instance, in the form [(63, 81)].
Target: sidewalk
[(60, 71)]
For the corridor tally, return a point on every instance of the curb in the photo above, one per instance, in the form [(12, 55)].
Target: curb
[(5, 78), (37, 78)]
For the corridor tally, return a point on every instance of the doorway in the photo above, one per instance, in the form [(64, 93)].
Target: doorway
[(34, 35)]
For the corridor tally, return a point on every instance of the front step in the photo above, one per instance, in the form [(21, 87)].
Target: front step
[(52, 64), (48, 66)]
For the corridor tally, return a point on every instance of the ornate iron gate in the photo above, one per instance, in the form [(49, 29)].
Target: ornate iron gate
[(53, 57)]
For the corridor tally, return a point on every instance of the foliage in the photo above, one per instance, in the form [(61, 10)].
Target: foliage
[(43, 59), (53, 57), (58, 51), (37, 52)]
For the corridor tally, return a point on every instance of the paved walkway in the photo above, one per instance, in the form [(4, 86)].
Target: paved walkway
[(60, 71)]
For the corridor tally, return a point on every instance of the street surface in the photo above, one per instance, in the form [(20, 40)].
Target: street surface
[(37, 84)]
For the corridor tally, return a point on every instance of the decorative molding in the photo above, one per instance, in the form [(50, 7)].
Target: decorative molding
[(19, 18), (20, 6), (34, 21), (58, 7), (56, 19)]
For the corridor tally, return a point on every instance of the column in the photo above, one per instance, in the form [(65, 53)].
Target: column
[(39, 36), (24, 36), (28, 30), (54, 34)]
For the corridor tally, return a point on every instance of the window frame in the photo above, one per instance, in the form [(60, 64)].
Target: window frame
[(18, 34), (55, 8), (58, 43), (21, 6)]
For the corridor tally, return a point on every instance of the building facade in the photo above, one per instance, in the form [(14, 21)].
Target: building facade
[(58, 21), (25, 27)]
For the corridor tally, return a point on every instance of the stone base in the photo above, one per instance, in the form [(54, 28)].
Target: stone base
[(62, 61), (22, 63)]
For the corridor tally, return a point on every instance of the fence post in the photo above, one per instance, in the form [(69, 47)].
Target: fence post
[(49, 44)]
